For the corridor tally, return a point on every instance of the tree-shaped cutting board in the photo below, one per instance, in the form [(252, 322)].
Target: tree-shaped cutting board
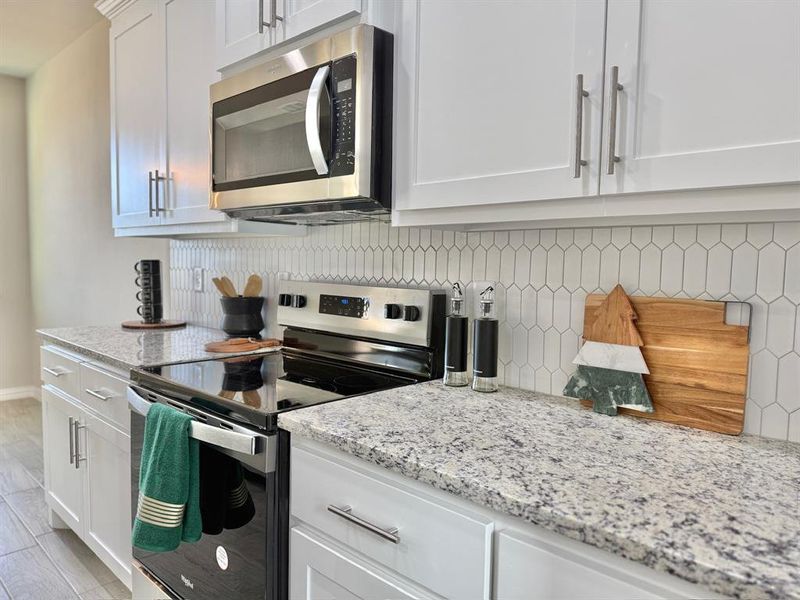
[(697, 362), (610, 362)]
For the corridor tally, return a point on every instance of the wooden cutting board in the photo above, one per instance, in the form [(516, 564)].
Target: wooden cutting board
[(698, 363)]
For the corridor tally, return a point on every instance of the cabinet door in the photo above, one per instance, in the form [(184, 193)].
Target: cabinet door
[(320, 572), (551, 567), (189, 25), (487, 101), (108, 495), (137, 113), (239, 31), (710, 93), (301, 16), (63, 482)]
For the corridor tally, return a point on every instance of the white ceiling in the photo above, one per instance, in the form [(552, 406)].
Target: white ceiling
[(32, 31)]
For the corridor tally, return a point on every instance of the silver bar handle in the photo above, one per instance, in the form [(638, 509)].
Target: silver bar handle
[(97, 394), (312, 120), (346, 512), (57, 372), (580, 94), (273, 13), (150, 193), (71, 441), (76, 426), (217, 436), (614, 88), (156, 180)]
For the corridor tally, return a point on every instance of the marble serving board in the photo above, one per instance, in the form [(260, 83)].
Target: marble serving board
[(698, 363)]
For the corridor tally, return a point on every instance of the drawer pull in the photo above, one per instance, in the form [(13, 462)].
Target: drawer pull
[(346, 512), (98, 395), (57, 372)]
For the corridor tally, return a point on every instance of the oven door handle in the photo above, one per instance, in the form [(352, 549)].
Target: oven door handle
[(216, 436), (312, 120)]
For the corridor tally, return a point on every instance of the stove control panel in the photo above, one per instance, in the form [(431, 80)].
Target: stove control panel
[(343, 306), (403, 315)]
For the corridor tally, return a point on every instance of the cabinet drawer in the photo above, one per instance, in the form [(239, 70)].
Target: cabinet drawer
[(443, 549), (105, 393), (60, 371)]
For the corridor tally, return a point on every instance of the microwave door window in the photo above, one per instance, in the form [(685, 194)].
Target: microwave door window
[(265, 142)]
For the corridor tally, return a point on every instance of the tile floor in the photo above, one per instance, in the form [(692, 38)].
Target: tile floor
[(36, 561)]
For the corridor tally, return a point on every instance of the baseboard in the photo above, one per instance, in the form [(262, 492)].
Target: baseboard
[(16, 393)]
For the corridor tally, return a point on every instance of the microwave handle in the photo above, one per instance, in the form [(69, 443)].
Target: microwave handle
[(312, 120)]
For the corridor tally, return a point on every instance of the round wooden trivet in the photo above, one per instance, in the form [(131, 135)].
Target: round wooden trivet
[(162, 325)]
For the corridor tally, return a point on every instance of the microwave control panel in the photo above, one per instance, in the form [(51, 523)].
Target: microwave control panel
[(343, 97)]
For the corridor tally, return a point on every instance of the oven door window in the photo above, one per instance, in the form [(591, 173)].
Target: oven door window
[(260, 136)]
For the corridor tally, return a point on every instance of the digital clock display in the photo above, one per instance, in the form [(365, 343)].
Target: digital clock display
[(343, 306)]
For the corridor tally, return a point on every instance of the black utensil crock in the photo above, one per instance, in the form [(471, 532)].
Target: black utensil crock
[(242, 316)]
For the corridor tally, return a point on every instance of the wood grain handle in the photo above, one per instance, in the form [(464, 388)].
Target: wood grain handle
[(253, 286)]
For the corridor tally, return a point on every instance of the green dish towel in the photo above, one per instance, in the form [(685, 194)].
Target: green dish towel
[(169, 490)]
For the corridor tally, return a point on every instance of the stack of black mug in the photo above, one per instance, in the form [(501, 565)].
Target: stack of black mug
[(149, 294)]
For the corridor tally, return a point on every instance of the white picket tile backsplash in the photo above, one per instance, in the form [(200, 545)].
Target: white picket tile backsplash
[(545, 275)]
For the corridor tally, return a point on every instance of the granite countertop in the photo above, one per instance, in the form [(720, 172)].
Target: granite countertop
[(720, 511), (127, 349)]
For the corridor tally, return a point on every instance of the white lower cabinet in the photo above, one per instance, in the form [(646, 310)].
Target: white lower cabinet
[(107, 495), (87, 460), (539, 565), (319, 571), (63, 482), (439, 545)]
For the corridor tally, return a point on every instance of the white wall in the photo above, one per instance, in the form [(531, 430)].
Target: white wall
[(17, 350), (81, 274)]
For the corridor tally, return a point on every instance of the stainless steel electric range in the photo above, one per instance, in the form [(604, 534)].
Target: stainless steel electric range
[(340, 341)]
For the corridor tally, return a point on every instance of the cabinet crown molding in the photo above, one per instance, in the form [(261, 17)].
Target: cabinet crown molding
[(111, 8)]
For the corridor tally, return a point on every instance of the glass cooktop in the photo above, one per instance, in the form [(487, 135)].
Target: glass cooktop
[(255, 389)]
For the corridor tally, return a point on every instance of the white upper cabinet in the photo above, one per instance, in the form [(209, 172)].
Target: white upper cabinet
[(162, 65), (240, 29), (487, 103), (246, 27), (490, 118), (137, 123), (710, 94), (301, 16), (188, 25)]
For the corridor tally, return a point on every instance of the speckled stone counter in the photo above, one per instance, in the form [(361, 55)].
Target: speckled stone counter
[(127, 349), (720, 511)]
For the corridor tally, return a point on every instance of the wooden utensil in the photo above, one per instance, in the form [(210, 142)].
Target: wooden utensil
[(253, 286), (242, 345), (222, 288), (230, 289), (698, 363)]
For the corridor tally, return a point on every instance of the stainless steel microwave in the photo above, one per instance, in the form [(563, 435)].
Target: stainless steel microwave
[(306, 138)]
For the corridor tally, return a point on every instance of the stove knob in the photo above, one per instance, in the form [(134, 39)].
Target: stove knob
[(391, 311), (285, 299), (411, 313), (298, 301)]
